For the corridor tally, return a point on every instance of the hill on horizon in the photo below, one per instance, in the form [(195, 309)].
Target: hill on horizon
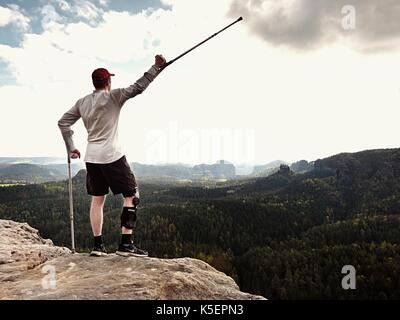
[(38, 170)]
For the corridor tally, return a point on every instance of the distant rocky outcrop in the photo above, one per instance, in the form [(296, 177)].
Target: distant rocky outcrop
[(220, 170), (33, 268), (266, 170), (284, 169), (301, 166)]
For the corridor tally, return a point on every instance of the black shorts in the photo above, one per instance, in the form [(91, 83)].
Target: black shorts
[(116, 175)]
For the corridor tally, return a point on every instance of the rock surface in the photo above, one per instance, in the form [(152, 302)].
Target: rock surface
[(33, 268), (22, 249)]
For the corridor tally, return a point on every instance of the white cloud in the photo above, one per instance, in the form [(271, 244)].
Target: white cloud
[(62, 51), (82, 8), (64, 5), (86, 9), (50, 17), (12, 16), (310, 24), (120, 38), (104, 3)]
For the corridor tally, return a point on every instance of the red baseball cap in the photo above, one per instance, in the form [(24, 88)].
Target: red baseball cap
[(101, 74)]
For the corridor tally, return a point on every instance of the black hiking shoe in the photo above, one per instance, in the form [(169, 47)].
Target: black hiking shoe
[(99, 251), (130, 250)]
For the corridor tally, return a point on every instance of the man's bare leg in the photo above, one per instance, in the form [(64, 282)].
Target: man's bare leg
[(96, 214), (96, 220)]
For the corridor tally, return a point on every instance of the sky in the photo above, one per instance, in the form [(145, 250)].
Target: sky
[(296, 79)]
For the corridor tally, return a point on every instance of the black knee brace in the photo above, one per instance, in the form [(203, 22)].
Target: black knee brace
[(135, 201), (128, 217)]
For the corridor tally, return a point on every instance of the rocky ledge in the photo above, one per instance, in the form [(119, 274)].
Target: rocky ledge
[(33, 268)]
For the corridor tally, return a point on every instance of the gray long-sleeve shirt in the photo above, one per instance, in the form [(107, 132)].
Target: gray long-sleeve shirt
[(100, 112)]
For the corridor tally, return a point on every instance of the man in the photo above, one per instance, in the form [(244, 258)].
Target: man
[(106, 165)]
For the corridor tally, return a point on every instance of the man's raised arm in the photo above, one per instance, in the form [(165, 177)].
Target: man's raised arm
[(123, 94), (65, 123)]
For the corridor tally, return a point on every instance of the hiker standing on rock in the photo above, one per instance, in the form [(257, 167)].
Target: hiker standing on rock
[(106, 164)]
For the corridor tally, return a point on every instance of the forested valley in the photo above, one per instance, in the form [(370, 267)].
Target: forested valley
[(285, 236)]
